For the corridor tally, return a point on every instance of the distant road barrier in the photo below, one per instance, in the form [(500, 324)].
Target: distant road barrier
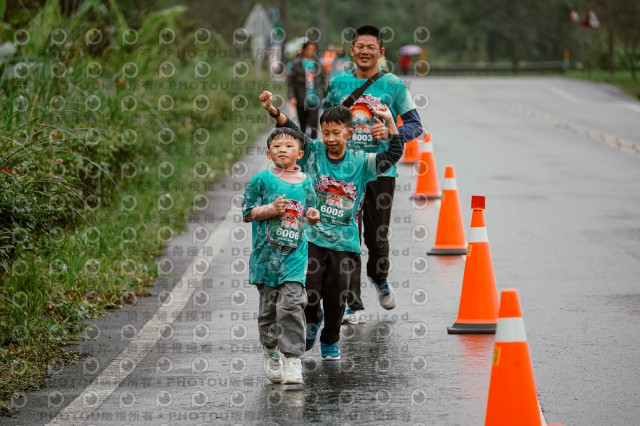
[(497, 68)]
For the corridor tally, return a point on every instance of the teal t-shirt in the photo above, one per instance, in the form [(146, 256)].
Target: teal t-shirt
[(311, 93), (388, 90), (339, 194), (279, 251)]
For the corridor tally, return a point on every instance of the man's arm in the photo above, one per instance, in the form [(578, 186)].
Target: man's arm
[(390, 156), (412, 126)]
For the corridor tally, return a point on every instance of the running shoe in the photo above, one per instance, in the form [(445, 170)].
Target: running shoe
[(312, 332)]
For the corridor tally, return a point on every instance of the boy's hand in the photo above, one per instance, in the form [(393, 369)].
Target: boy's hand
[(313, 216), (280, 204), (383, 112), (379, 130), (266, 99)]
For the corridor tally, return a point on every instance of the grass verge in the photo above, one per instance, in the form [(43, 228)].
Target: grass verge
[(70, 275), (620, 79), (102, 150)]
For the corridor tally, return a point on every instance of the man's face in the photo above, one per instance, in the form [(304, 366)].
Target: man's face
[(285, 151), (335, 137), (366, 51)]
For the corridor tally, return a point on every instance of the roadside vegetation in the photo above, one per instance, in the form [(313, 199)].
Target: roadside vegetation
[(108, 129), (622, 79)]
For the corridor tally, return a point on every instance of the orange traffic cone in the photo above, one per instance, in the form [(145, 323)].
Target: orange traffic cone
[(512, 390), (478, 311), (427, 182), (450, 233), (411, 152)]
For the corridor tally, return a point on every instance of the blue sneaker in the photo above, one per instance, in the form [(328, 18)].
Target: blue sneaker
[(386, 296), (330, 352), (312, 332)]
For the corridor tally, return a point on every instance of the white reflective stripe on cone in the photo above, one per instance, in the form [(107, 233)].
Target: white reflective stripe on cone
[(478, 235), (542, 419), (450, 183), (426, 147), (510, 330)]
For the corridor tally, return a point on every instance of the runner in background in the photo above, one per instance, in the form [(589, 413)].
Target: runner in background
[(306, 87), (328, 57), (337, 66)]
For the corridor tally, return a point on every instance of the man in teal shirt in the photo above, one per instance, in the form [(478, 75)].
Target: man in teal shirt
[(366, 50)]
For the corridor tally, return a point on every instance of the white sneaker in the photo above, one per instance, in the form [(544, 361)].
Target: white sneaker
[(354, 317), (386, 295), (292, 371), (272, 364)]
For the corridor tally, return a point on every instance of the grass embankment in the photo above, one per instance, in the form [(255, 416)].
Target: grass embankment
[(620, 79), (102, 148)]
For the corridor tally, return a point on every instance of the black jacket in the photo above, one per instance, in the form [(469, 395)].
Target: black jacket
[(296, 82)]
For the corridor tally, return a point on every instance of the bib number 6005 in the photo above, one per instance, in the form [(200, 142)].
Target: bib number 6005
[(332, 211)]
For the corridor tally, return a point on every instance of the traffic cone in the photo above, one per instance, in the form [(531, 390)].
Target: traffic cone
[(427, 182), (411, 152), (450, 234), (478, 311), (512, 390)]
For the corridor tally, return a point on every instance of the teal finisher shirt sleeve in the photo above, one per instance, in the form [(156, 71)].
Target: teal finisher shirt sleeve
[(388, 90), (279, 244)]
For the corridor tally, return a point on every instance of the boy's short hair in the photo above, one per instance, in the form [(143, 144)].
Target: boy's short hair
[(278, 132), (369, 30), (337, 114)]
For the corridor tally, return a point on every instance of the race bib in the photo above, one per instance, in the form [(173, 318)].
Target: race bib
[(285, 232), (335, 200), (363, 121), (334, 208)]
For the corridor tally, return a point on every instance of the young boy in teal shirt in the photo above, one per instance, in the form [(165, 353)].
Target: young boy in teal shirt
[(340, 177), (277, 201)]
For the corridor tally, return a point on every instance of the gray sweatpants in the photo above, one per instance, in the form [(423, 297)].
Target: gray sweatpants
[(281, 317)]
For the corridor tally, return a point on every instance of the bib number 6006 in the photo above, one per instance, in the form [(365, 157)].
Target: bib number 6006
[(287, 233)]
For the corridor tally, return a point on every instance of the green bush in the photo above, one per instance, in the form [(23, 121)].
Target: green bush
[(80, 137)]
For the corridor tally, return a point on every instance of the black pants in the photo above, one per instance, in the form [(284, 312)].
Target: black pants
[(308, 118), (328, 280), (374, 217)]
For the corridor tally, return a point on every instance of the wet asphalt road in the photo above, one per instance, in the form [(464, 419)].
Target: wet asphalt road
[(557, 160)]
